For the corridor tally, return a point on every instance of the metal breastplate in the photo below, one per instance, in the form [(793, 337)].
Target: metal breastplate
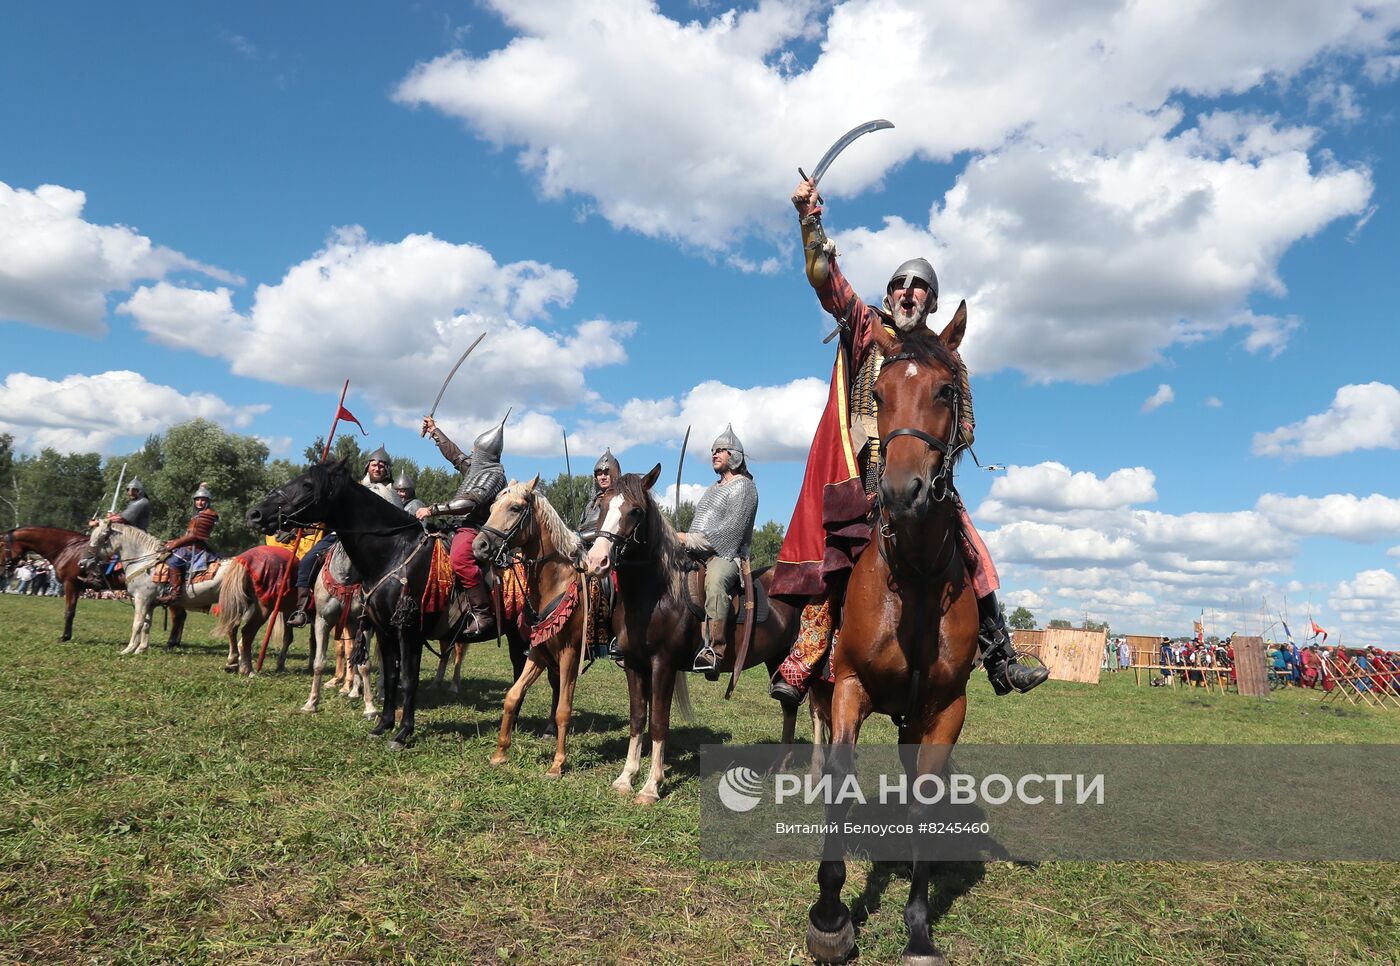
[(725, 515), (138, 513)]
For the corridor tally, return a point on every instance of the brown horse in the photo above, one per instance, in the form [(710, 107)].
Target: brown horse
[(64, 549), (909, 627), (658, 630), (523, 520)]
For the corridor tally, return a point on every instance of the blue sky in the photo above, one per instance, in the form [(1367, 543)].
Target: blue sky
[(275, 198)]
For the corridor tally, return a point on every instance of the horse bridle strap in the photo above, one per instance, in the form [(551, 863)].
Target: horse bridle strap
[(932, 441)]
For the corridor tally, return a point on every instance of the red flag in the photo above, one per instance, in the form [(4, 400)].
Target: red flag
[(1317, 630), (349, 417)]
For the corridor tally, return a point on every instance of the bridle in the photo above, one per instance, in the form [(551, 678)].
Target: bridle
[(618, 544), (505, 555)]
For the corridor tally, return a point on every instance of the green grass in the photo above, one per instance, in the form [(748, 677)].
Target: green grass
[(155, 809)]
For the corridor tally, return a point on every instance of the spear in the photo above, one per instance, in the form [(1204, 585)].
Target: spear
[(680, 468), (569, 475)]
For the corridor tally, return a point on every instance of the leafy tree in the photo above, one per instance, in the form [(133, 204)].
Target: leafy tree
[(687, 515), (1060, 622), (9, 482), (1022, 619), (233, 466), (767, 540), (345, 445), (60, 489), (569, 495), (1097, 626)]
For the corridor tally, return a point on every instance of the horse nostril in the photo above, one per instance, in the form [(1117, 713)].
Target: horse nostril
[(916, 485)]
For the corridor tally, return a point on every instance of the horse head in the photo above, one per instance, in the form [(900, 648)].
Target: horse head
[(625, 517), (511, 524), (920, 405), (303, 501)]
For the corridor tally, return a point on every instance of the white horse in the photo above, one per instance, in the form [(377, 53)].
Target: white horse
[(332, 621), (140, 553)]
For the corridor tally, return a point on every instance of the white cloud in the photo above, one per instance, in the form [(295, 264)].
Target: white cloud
[(393, 318), (1343, 515), (772, 422), (580, 86), (1369, 605), (1214, 402), (1052, 486), (690, 492), (1393, 552), (56, 269), (81, 412), (1158, 399), (1365, 416)]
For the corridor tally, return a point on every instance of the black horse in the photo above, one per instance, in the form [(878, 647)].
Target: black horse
[(392, 554)]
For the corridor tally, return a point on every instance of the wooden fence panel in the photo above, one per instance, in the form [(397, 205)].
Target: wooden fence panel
[(1251, 666)]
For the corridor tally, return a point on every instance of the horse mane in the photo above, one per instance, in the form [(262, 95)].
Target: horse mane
[(675, 563), (566, 541), (145, 541), (925, 346)]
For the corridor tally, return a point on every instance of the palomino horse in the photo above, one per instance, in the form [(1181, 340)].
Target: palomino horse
[(523, 520), (659, 634), (393, 556), (909, 627), (140, 552), (62, 548)]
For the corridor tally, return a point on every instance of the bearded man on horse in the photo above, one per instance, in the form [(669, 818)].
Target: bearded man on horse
[(189, 552), (378, 480), (830, 524), (482, 479), (719, 537)]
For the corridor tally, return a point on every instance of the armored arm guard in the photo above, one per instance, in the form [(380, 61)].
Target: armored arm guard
[(459, 460), (817, 249)]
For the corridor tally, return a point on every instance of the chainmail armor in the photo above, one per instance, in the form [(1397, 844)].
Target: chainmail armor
[(725, 515)]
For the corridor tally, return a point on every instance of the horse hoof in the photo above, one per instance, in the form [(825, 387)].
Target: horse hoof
[(831, 947), (309, 708), (230, 668), (923, 959), (646, 798), (554, 773), (396, 745), (378, 730), (498, 759), (623, 789)]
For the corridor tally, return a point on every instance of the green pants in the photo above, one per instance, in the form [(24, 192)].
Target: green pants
[(721, 580)]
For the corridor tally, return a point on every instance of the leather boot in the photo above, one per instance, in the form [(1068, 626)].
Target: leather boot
[(172, 592), (483, 613), (999, 657), (302, 615), (712, 654)]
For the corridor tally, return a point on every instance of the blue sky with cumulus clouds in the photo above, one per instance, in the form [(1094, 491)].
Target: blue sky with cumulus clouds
[(1175, 227)]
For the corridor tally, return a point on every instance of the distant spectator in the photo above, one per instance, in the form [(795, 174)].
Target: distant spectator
[(25, 575), (1125, 654)]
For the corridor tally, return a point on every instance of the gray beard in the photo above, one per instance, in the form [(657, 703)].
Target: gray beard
[(906, 323)]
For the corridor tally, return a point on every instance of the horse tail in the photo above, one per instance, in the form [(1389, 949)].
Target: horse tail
[(682, 696), (236, 598)]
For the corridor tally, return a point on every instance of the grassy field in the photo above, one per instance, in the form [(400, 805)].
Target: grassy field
[(155, 809)]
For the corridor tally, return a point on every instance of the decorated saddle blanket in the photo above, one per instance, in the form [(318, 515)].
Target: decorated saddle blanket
[(267, 568), (551, 617), (437, 590), (160, 573)]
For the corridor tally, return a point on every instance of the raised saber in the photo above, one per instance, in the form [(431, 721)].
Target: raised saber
[(680, 468), (117, 492), (842, 143), (433, 412)]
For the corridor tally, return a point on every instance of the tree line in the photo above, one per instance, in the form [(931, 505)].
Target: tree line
[(66, 490)]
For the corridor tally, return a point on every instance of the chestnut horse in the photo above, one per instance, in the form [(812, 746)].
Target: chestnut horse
[(64, 549), (909, 626), (658, 632)]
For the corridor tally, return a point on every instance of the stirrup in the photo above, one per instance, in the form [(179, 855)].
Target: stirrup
[(703, 666)]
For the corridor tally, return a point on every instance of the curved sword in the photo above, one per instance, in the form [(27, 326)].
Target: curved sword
[(433, 412), (842, 143), (680, 468)]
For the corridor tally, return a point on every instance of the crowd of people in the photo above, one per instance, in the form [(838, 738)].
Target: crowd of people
[(32, 577), (1318, 666)]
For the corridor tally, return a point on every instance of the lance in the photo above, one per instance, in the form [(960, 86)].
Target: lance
[(680, 468), (569, 474), (463, 358), (296, 541)]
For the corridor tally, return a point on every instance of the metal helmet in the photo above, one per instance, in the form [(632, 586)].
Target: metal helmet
[(405, 482), (727, 440), (204, 492), (137, 485), (492, 442), (914, 270), (608, 462), (382, 455)]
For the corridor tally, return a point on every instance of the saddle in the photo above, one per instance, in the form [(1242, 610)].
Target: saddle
[(160, 573), (693, 592)]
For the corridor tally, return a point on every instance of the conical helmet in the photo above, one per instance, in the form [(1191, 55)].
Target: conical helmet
[(608, 462), (204, 491), (405, 482), (381, 454), (727, 440), (137, 485), (492, 442)]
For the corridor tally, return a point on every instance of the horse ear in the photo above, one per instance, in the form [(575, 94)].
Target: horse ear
[(341, 463), (953, 332), (533, 483), (650, 479)]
